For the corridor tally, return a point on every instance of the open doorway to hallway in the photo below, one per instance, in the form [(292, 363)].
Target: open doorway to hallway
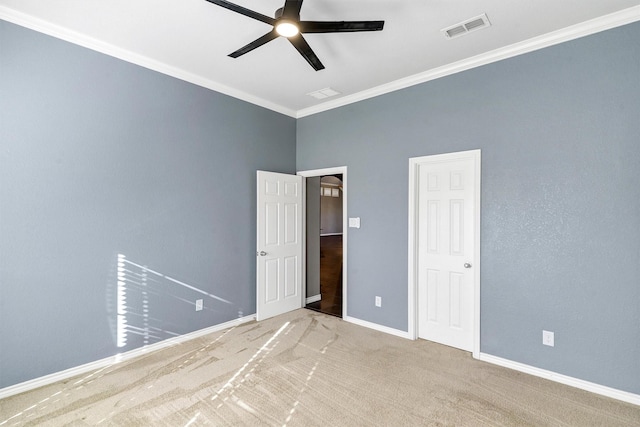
[(325, 244)]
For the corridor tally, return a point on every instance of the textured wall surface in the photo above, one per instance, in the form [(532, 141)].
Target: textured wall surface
[(559, 131), (99, 157)]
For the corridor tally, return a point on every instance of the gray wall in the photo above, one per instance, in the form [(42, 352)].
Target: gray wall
[(559, 131), (100, 157)]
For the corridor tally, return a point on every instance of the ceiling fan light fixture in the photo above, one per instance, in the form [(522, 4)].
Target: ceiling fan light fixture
[(287, 29), (286, 23)]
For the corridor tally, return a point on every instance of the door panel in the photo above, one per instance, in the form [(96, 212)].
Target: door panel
[(290, 278), (291, 235), (271, 279), (279, 244)]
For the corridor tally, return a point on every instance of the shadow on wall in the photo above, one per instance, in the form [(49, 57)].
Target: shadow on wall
[(138, 290)]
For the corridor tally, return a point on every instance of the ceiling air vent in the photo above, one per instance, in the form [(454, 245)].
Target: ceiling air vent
[(467, 26), (323, 93)]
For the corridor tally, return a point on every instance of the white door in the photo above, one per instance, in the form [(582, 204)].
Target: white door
[(279, 244), (446, 222)]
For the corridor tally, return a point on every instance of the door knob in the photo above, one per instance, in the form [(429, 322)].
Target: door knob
[(467, 265), (261, 253)]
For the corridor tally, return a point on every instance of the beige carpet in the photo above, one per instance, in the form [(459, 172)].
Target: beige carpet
[(309, 369)]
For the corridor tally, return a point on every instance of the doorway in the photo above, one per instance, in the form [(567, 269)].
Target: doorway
[(444, 249), (325, 249)]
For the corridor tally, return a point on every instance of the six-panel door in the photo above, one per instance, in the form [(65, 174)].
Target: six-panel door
[(445, 252), (279, 244)]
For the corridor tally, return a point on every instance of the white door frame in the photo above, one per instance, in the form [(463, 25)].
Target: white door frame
[(413, 248), (322, 172)]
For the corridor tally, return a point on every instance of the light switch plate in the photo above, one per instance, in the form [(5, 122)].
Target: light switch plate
[(354, 222)]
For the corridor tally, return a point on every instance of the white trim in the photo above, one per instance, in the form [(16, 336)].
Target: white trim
[(313, 299), (602, 23), (324, 171), (414, 162), (624, 396), (412, 275), (121, 357), (375, 326), (331, 171), (330, 234), (83, 40), (303, 284)]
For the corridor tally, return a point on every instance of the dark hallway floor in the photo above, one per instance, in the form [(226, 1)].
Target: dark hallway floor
[(330, 276)]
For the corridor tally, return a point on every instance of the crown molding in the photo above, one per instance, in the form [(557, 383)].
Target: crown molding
[(42, 26), (606, 22)]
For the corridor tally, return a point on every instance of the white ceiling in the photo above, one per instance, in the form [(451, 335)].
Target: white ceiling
[(190, 39)]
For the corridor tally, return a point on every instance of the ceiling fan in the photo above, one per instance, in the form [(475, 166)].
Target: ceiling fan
[(287, 23)]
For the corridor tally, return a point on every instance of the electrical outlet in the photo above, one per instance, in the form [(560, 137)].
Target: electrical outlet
[(378, 301), (547, 338), (199, 304)]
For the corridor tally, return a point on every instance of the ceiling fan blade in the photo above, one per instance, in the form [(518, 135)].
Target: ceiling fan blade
[(255, 44), (340, 26), (305, 50), (291, 9), (244, 11)]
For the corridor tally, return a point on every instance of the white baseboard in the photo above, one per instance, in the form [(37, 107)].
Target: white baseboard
[(313, 298), (112, 360), (563, 379), (371, 325)]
